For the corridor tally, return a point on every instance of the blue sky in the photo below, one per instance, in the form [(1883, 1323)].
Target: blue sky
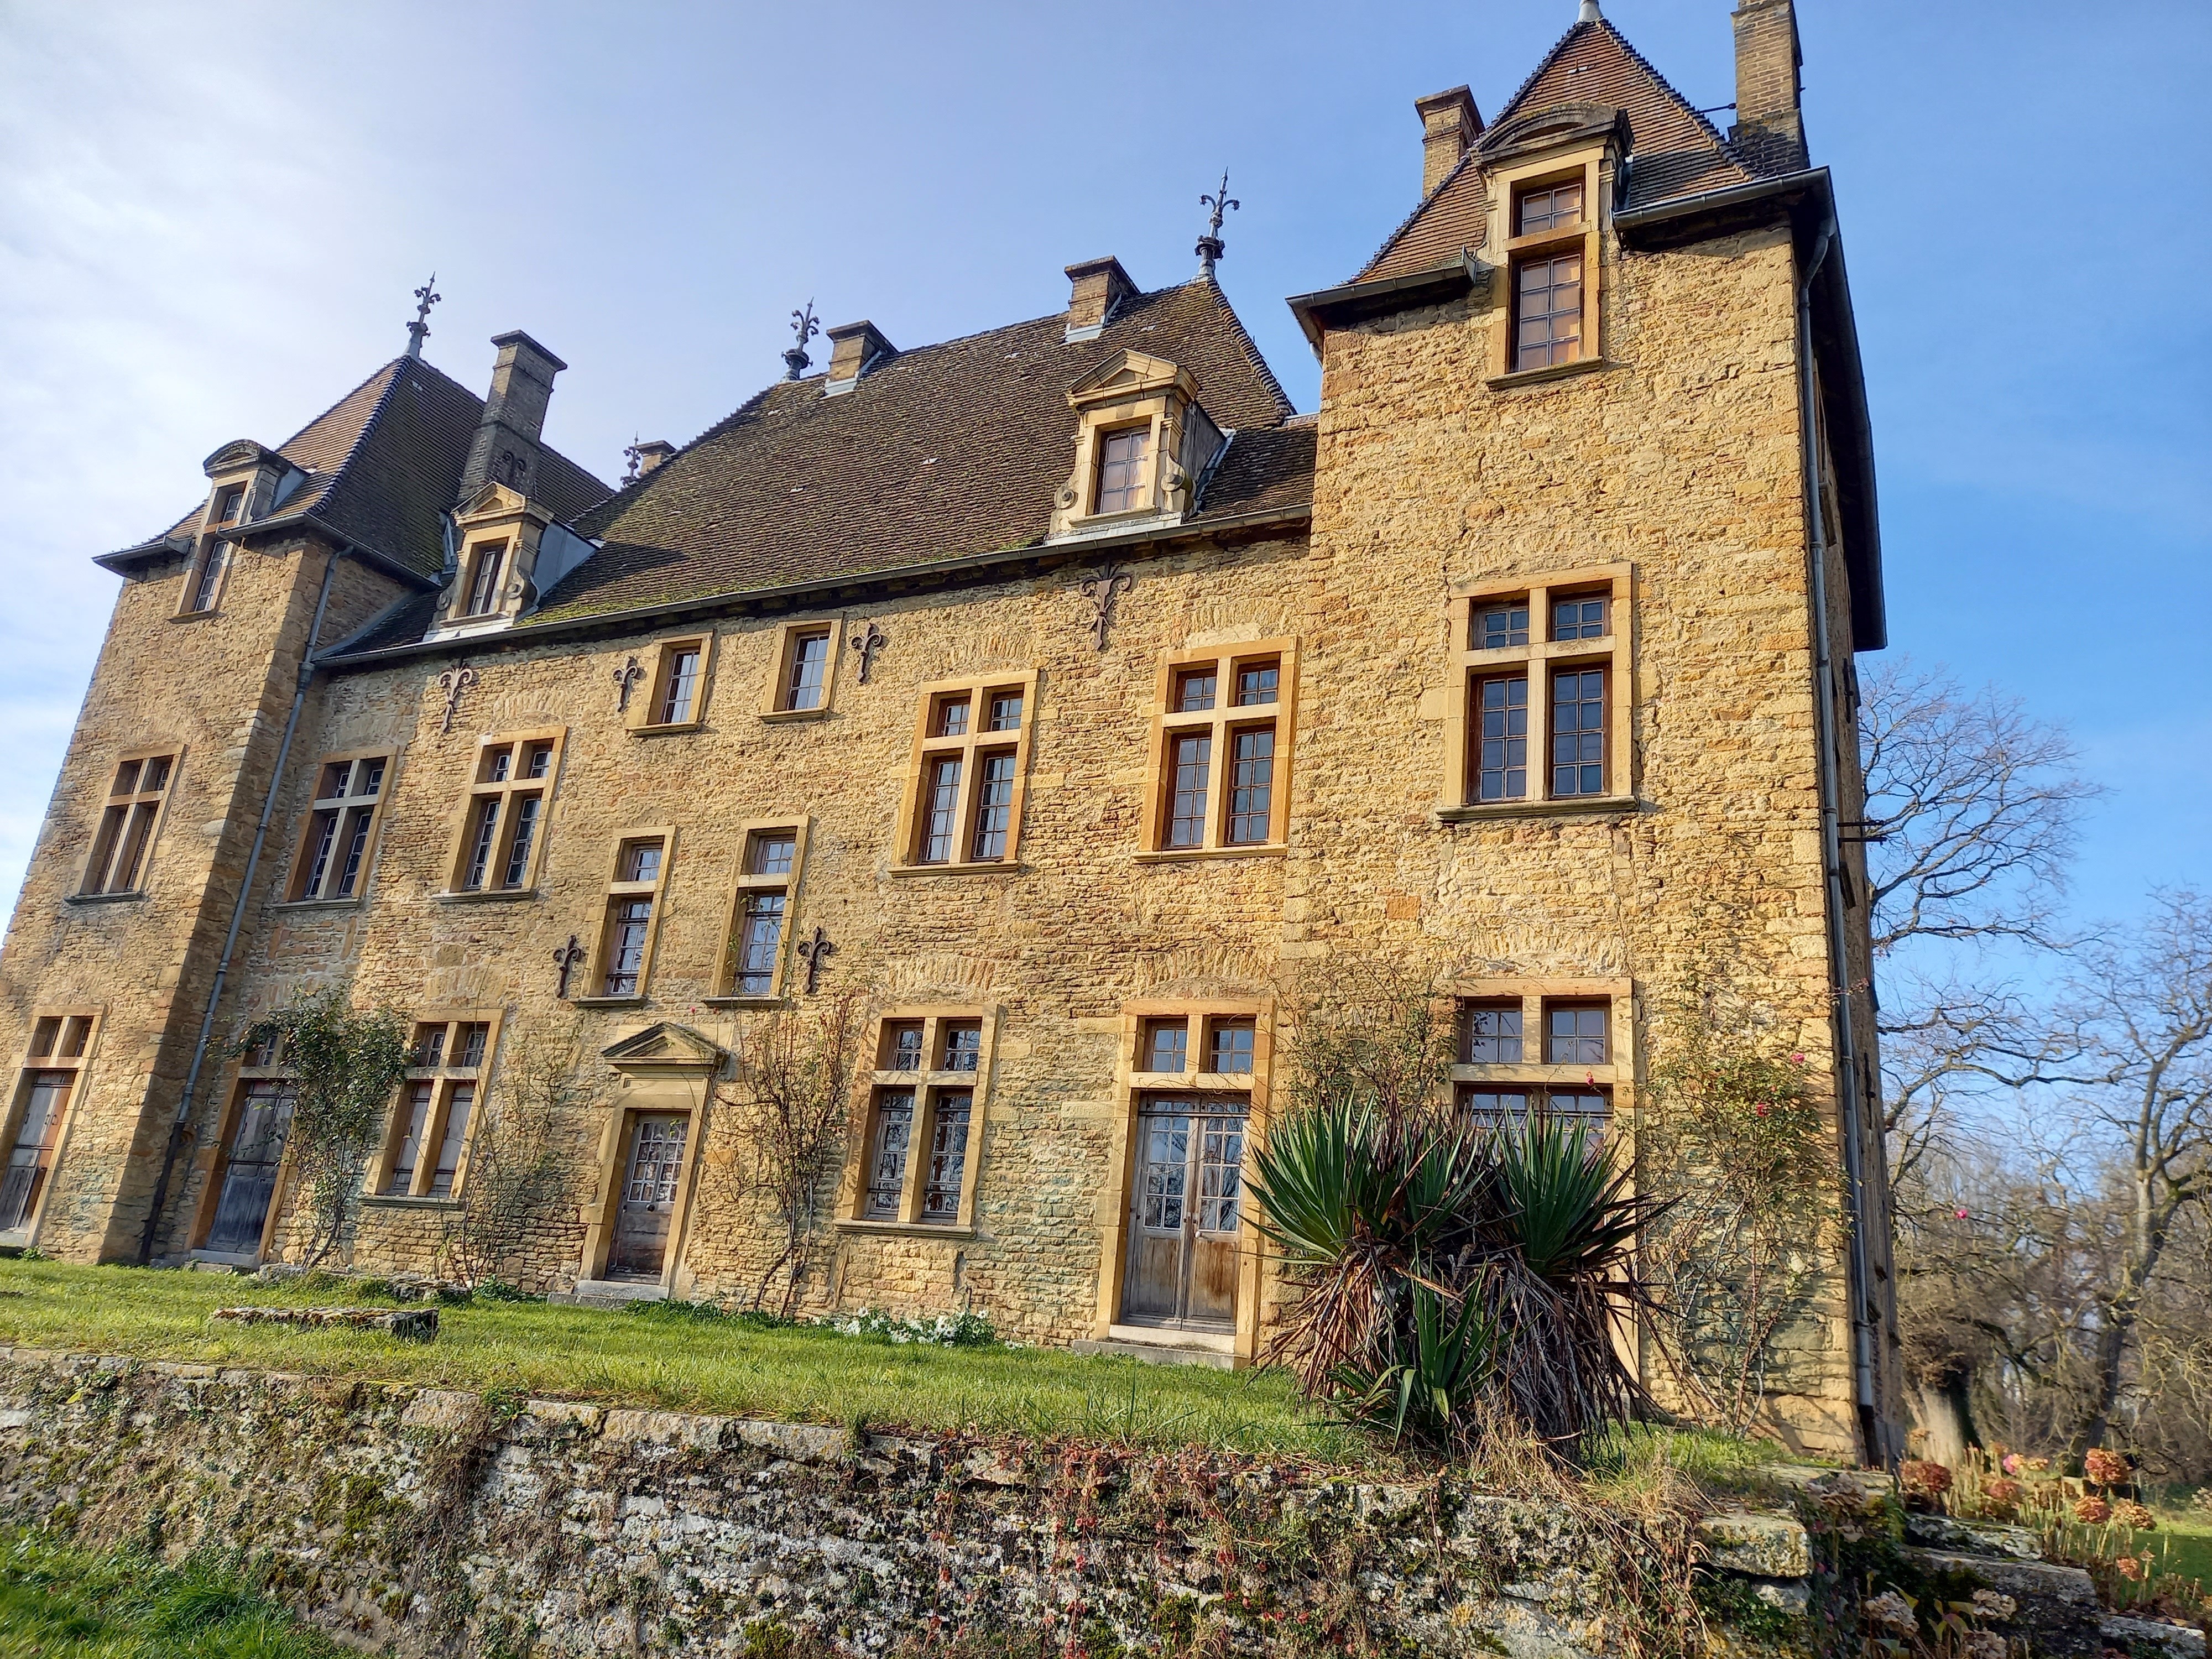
[(211, 216)]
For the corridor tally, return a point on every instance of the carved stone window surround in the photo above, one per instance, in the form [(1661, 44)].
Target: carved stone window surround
[(927, 1083), (650, 697)]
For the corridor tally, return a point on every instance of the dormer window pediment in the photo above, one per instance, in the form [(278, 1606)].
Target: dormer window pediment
[(498, 533), (1142, 441)]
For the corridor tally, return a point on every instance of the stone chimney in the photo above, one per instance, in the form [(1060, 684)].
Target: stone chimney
[(853, 349), (1450, 126), (1097, 287), (652, 453), (506, 448), (1769, 128)]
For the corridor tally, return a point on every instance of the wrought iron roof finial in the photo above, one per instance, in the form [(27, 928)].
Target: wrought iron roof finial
[(635, 457), (1210, 246), (795, 360), (1590, 13), (427, 295)]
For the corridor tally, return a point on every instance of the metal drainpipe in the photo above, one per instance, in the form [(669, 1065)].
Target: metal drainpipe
[(1831, 858), (306, 673)]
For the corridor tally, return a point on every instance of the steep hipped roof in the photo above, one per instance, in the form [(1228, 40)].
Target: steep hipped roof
[(945, 451), (1676, 150), (384, 464)]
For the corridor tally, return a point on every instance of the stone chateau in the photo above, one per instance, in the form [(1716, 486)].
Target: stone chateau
[(1058, 693)]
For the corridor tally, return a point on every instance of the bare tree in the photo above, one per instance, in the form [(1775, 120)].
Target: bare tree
[(785, 1123), (519, 1173), (2144, 1006), (1972, 806)]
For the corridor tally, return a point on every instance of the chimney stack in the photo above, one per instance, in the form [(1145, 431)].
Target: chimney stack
[(505, 450), (651, 453), (1450, 126), (1095, 288), (1770, 128), (853, 348)]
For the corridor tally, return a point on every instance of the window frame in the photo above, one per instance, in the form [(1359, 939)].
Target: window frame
[(295, 887), (1223, 721), (101, 851), (619, 892), (743, 885), (216, 1157), (928, 1087), (472, 557), (212, 538), (969, 747), (784, 648), (643, 715), (1592, 166), (474, 790), (32, 1063), (1145, 492), (444, 1078), (1615, 1077), (1538, 661)]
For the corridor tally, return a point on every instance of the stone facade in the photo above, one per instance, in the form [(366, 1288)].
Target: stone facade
[(1665, 473)]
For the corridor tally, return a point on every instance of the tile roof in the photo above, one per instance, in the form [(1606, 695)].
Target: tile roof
[(384, 465), (1677, 151), (945, 451)]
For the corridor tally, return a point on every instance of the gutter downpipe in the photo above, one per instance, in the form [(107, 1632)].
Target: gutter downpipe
[(306, 673), (1873, 1442)]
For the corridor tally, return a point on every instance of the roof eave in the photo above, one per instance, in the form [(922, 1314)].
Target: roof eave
[(785, 594), (1333, 307), (123, 560)]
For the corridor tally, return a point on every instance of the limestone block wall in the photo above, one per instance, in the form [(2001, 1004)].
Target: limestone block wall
[(215, 691)]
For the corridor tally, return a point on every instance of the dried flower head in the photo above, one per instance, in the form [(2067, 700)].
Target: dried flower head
[(1924, 1479), (2091, 1511), (2106, 1467), (2038, 1466), (2129, 1513), (1890, 1613), (2130, 1568), (2003, 1492)]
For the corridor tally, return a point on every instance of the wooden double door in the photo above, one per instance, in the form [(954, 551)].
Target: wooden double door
[(251, 1160), (645, 1211), (1186, 1203)]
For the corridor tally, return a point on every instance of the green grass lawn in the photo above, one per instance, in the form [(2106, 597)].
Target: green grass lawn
[(2184, 1543), (663, 1360), (61, 1602)]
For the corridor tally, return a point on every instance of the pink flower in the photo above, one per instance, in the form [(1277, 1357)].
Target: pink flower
[(1760, 1108), (2012, 1463), (1796, 1060), (1962, 1214)]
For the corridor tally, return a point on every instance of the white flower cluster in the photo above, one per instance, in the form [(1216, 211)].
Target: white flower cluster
[(963, 1330)]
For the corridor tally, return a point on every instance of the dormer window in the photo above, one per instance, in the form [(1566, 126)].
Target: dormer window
[(487, 559), (1547, 185), (230, 505), (1121, 470), (1549, 209), (1142, 445)]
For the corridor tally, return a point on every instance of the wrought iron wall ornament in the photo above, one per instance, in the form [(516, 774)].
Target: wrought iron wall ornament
[(795, 360), (454, 681), (566, 959), (813, 952), (866, 642), (626, 677), (427, 295), (1102, 589), (1210, 246)]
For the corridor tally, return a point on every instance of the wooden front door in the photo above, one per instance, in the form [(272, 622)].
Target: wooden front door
[(31, 1157), (249, 1169), (653, 1168), (1184, 1210)]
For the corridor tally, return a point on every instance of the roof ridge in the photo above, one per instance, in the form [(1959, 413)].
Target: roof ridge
[(383, 402), (1466, 158), (1667, 86), (1244, 336), (1544, 62)]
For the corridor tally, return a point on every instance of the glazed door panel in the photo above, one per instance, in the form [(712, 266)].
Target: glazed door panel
[(249, 1169), (1184, 1211), (652, 1170), (31, 1160)]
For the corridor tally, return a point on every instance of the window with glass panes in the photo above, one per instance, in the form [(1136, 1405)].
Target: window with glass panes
[(340, 829), (211, 560), (1548, 292), (970, 753), (626, 934), (487, 563), (123, 842), (1123, 477), (1545, 1045), (919, 1155), (31, 1124), (675, 691), (1196, 1042), (805, 680), (425, 1152), (1536, 720), (1224, 744), (768, 877), (502, 838)]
